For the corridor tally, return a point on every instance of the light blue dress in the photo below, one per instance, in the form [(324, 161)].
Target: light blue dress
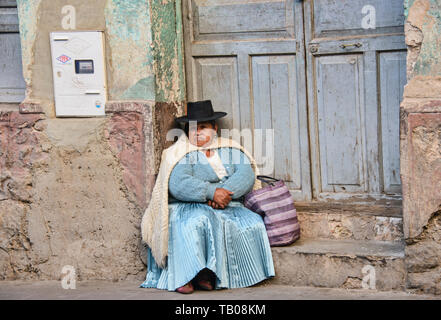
[(231, 242)]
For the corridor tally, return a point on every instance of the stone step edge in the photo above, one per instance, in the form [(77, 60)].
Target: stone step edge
[(370, 209), (345, 248)]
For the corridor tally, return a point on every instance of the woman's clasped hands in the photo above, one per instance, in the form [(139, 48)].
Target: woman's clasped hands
[(221, 198)]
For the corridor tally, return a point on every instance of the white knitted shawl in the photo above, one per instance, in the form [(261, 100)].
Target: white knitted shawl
[(154, 224)]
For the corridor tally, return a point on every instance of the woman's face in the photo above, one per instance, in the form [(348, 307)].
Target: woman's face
[(203, 134)]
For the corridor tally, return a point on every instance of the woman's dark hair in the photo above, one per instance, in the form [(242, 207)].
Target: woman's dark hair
[(187, 125)]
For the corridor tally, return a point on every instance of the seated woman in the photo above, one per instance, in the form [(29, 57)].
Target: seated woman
[(214, 241)]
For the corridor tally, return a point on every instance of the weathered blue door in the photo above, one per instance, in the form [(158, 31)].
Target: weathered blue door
[(12, 85), (329, 87), (356, 57), (248, 57)]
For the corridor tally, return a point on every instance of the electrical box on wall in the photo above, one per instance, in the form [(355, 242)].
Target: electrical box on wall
[(79, 73)]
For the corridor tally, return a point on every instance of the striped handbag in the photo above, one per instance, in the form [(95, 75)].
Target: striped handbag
[(275, 204)]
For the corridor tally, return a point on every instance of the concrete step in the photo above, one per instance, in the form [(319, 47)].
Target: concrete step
[(377, 221), (340, 263)]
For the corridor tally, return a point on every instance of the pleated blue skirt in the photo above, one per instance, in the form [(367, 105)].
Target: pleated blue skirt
[(231, 242)]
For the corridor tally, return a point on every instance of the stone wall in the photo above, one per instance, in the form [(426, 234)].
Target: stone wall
[(73, 190), (420, 136), (72, 193), (65, 200)]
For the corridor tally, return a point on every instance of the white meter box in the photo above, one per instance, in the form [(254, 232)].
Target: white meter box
[(79, 73)]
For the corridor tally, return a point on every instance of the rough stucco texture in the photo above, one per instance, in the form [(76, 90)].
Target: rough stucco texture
[(37, 19), (425, 15), (126, 138), (424, 258), (167, 48), (27, 10), (423, 26), (48, 219), (422, 165), (349, 226), (130, 57), (72, 191), (420, 116), (420, 145)]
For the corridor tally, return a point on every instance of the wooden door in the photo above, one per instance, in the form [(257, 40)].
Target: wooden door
[(248, 58), (12, 85), (328, 87), (356, 56)]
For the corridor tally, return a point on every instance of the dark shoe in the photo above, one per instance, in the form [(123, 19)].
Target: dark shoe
[(205, 279), (188, 288), (205, 285)]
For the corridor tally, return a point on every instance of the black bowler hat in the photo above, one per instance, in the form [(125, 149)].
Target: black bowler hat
[(200, 111)]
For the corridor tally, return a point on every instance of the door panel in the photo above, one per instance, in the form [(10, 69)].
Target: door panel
[(392, 86), (238, 20), (343, 17), (351, 108), (275, 106), (230, 17), (216, 79), (248, 58), (12, 84), (340, 122)]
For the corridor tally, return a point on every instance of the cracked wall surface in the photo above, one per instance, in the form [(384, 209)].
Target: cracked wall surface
[(424, 258), (129, 50), (65, 200), (73, 190), (168, 50), (420, 145), (350, 226)]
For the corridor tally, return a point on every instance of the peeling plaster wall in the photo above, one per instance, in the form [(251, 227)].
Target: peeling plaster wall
[(130, 54), (144, 47), (170, 91), (36, 20), (65, 201), (420, 144), (28, 30), (423, 258), (425, 16), (168, 50), (73, 190)]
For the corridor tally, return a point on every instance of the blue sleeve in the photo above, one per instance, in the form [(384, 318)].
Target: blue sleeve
[(185, 187), (242, 180)]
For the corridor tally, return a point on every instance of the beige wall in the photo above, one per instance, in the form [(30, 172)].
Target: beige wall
[(420, 136)]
